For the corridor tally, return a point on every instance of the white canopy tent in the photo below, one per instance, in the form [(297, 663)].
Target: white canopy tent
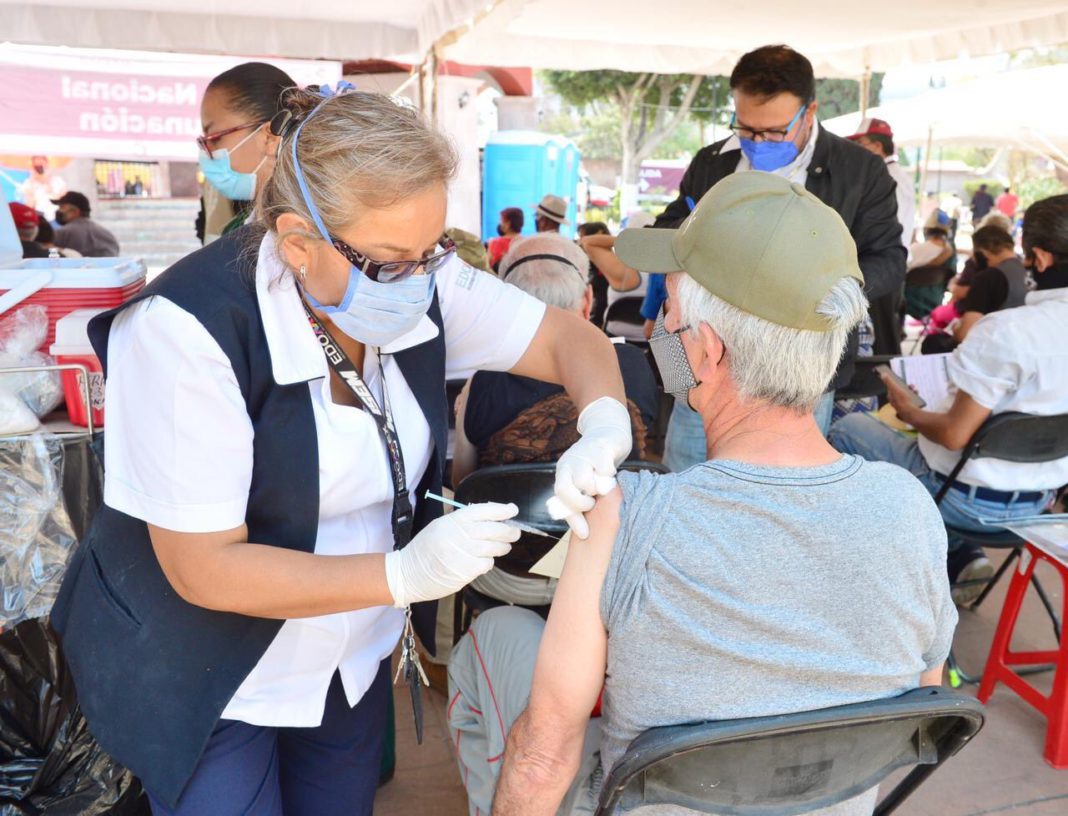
[(702, 36), (1016, 109)]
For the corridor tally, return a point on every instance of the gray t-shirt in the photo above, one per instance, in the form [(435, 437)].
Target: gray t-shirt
[(743, 591)]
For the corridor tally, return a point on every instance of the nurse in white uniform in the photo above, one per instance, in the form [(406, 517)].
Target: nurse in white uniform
[(350, 287)]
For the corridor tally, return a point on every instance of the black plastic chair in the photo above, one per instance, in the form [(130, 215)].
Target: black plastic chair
[(529, 487), (865, 381), (1012, 437), (627, 309), (794, 763)]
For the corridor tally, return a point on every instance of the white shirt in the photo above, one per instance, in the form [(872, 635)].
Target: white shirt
[(1012, 360), (906, 199), (179, 453)]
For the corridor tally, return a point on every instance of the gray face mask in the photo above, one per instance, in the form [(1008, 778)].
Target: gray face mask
[(672, 362)]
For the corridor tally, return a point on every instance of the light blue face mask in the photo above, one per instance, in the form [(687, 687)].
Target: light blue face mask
[(769, 156), (222, 176), (371, 312)]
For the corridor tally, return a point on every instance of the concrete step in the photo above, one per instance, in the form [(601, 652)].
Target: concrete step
[(141, 204)]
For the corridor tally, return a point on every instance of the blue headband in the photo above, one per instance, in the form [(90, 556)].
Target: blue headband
[(327, 93)]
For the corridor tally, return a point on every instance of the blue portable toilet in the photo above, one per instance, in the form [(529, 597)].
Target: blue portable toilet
[(521, 166)]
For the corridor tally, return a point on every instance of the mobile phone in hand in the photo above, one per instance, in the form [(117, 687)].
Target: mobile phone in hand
[(914, 398)]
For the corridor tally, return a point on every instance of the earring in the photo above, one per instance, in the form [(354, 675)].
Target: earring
[(303, 275)]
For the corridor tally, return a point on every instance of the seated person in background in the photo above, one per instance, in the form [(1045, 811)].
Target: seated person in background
[(598, 282), (504, 419), (1012, 360), (46, 237), (998, 280), (959, 286), (622, 281), (780, 576), (25, 219), (935, 249), (1001, 285)]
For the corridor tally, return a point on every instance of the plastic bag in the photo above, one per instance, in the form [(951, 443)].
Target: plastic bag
[(24, 330), (49, 762), (36, 535), (15, 417), (21, 333), (40, 391)]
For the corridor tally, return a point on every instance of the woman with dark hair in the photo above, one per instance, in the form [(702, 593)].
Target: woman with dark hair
[(238, 147), (510, 226)]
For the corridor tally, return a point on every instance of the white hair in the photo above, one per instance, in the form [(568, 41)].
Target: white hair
[(788, 368), (560, 283)]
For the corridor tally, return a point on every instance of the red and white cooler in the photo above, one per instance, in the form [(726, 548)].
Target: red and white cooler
[(72, 347), (64, 285)]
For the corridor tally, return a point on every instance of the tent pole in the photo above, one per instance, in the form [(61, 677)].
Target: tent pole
[(865, 92), (926, 163)]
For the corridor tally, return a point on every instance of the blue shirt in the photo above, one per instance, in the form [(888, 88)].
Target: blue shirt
[(655, 296)]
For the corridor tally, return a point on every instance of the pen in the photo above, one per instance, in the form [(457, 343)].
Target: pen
[(526, 528)]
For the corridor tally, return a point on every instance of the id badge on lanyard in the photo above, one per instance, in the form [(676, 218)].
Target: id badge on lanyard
[(402, 515)]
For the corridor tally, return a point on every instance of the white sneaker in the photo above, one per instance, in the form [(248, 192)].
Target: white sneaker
[(978, 569)]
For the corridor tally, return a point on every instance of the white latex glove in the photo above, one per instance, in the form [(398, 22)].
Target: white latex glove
[(449, 553), (588, 468)]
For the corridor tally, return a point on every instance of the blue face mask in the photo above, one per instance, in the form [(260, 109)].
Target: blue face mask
[(222, 176), (376, 313), (769, 156), (371, 312)]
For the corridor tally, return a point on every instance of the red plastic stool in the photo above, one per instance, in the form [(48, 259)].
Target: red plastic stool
[(1001, 660)]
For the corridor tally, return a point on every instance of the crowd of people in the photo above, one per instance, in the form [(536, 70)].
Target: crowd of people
[(277, 418)]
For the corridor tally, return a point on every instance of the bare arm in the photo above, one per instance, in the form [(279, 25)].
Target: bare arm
[(225, 572), (572, 352), (619, 276), (545, 744), (932, 677), (464, 454), (964, 325), (951, 429)]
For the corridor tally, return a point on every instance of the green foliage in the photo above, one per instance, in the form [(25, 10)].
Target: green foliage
[(1036, 189), (977, 157), (581, 88), (841, 96)]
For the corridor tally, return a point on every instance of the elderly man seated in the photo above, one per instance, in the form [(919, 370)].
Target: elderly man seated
[(1011, 360), (778, 576)]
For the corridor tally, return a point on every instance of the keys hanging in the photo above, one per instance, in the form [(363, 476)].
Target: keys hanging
[(412, 670)]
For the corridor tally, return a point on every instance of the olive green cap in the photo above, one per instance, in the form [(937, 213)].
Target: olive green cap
[(761, 243)]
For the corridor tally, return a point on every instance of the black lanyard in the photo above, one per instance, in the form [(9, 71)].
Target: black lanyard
[(341, 364)]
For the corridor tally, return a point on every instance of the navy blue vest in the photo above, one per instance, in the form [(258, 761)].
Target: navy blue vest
[(153, 672)]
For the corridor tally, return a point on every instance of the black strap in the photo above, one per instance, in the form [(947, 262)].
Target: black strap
[(383, 416)]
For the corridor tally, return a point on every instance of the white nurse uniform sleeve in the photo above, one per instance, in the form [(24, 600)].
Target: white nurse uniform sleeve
[(178, 444), (488, 323)]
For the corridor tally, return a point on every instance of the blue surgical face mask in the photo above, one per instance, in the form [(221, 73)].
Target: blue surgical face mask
[(770, 156), (376, 313), (222, 176), (373, 313)]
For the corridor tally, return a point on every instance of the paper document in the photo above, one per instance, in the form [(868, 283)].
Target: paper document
[(1050, 537), (551, 564), (928, 374)]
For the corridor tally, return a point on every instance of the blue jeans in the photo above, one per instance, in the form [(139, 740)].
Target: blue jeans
[(866, 436), (686, 446), (331, 770)]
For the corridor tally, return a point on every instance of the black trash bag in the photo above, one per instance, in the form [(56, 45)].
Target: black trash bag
[(49, 762)]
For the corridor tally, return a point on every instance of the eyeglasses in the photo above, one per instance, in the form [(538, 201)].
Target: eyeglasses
[(394, 271), (208, 140), (772, 135)]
